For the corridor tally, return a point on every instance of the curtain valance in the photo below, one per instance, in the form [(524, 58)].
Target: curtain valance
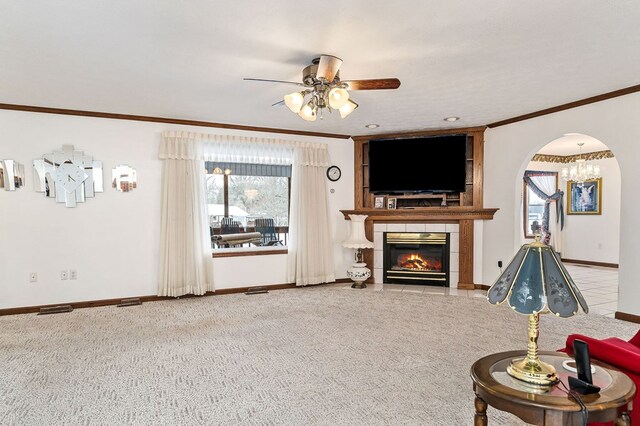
[(240, 149)]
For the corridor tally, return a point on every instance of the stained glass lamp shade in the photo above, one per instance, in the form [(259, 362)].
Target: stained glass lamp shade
[(535, 282)]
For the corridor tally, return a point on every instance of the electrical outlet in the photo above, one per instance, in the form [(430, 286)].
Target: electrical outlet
[(73, 274), (64, 275), (33, 277)]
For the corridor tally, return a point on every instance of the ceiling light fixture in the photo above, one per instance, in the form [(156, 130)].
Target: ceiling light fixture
[(372, 126), (322, 88), (321, 96), (452, 119), (581, 170)]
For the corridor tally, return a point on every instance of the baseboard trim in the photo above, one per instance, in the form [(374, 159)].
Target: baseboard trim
[(109, 302), (590, 263), (627, 317)]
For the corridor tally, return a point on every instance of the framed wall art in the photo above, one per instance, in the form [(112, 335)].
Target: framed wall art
[(379, 202), (584, 198)]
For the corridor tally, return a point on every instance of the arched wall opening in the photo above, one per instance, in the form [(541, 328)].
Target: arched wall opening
[(588, 237)]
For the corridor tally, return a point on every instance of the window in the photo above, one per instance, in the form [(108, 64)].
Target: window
[(534, 205), (239, 194)]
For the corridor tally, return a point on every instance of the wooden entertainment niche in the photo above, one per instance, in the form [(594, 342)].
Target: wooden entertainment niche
[(461, 208)]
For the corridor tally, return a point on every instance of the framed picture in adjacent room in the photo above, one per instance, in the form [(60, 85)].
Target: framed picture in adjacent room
[(391, 203), (379, 202), (585, 198)]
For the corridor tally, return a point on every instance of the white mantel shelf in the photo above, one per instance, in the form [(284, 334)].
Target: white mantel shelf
[(424, 214)]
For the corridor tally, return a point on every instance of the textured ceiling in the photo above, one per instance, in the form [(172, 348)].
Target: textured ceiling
[(482, 61)]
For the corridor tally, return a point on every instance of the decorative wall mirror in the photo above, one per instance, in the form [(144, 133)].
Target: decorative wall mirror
[(69, 176), (124, 178), (11, 175)]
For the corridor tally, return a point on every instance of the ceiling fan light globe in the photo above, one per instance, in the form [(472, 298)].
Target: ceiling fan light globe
[(294, 101), (338, 97), (308, 113), (347, 108)]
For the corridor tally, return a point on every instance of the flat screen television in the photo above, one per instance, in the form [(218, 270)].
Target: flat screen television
[(435, 164)]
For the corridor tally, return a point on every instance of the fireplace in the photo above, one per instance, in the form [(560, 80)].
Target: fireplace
[(416, 258)]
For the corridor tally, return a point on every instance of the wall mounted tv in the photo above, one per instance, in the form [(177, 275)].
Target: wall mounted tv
[(436, 164)]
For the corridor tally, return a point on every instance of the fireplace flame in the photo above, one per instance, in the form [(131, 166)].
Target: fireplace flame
[(416, 262)]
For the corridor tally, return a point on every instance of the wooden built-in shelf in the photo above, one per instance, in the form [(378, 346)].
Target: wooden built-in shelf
[(462, 208), (472, 196)]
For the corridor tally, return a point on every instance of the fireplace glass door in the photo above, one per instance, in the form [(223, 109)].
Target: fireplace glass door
[(416, 258)]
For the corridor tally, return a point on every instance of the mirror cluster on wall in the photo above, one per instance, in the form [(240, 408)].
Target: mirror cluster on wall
[(69, 176), (124, 178), (11, 175)]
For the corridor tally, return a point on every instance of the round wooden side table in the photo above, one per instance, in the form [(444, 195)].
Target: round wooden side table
[(535, 405)]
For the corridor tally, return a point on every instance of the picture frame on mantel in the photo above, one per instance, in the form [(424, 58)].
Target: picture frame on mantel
[(585, 198), (379, 202), (392, 203)]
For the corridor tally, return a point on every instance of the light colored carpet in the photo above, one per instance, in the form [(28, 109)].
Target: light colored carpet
[(323, 355)]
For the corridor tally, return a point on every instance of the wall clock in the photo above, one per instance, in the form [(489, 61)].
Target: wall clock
[(334, 173)]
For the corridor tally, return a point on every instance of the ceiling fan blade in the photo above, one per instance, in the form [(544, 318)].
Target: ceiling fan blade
[(279, 103), (328, 67), (374, 84), (274, 81)]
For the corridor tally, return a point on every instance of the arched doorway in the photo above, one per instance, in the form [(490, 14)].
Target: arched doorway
[(590, 239)]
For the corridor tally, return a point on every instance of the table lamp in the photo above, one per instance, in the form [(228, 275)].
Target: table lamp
[(358, 273), (536, 282)]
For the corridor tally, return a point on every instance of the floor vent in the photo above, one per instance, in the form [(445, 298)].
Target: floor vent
[(129, 302), (55, 309), (256, 290)]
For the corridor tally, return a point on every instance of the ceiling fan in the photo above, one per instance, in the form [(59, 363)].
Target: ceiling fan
[(324, 89)]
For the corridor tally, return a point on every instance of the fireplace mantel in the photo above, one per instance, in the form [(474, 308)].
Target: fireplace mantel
[(464, 216), (424, 214)]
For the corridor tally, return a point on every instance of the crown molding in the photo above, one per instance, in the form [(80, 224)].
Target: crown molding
[(581, 102), (117, 116)]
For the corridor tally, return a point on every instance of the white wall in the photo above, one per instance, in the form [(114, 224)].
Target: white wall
[(593, 238), (112, 240), (507, 150)]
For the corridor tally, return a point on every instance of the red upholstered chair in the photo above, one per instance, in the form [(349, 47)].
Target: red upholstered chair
[(623, 355)]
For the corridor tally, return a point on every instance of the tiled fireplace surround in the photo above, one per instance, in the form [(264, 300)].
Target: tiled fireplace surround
[(457, 221), (454, 244)]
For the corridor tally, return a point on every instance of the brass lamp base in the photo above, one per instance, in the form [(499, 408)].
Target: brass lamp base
[(530, 369), (533, 371)]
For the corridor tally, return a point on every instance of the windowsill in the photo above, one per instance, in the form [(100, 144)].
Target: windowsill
[(249, 251)]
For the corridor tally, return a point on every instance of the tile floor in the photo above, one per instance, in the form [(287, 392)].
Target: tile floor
[(599, 286)]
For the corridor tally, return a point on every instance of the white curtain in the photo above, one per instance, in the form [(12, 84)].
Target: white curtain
[(185, 243), (548, 185), (310, 245)]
